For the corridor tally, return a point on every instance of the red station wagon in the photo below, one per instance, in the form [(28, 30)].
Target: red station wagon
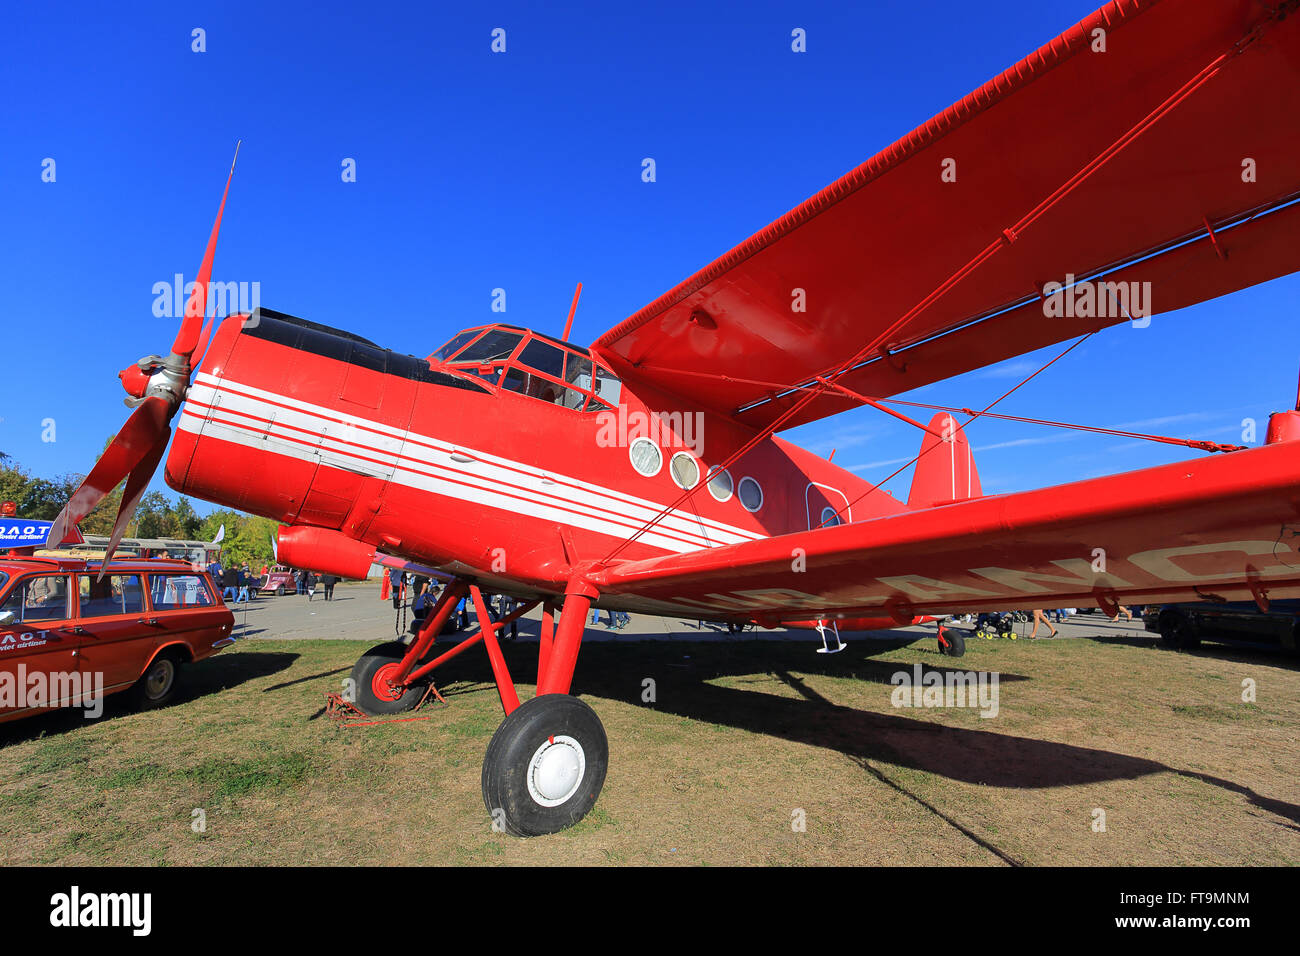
[(66, 636)]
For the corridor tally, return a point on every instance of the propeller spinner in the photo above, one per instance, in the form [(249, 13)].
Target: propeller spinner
[(156, 386)]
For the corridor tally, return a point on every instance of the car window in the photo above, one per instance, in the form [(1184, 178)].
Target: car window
[(43, 598), (113, 594), (168, 591)]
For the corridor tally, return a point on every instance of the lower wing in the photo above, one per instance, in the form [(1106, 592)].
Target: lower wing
[(1221, 528)]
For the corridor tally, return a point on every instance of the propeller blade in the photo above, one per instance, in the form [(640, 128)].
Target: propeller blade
[(204, 340), (136, 483), (188, 336), (146, 430)]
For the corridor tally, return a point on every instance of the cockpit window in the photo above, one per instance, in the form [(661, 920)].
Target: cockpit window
[(455, 345), (495, 346), (543, 357), (545, 368), (608, 388), (535, 386), (577, 372)]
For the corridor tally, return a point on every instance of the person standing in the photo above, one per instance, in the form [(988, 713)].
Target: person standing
[(423, 604), (1041, 618), (309, 582), (505, 606), (328, 581), (245, 578), (229, 584)]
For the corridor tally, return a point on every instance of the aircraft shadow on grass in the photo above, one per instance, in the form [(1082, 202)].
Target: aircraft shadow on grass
[(1270, 655), (684, 674)]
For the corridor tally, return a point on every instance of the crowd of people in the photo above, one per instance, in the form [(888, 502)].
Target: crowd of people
[(1000, 623), (421, 594), (239, 584)]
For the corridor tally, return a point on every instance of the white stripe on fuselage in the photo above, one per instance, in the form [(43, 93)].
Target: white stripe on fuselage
[(364, 446)]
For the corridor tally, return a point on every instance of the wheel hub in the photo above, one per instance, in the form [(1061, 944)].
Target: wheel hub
[(556, 770), (160, 678), (382, 684)]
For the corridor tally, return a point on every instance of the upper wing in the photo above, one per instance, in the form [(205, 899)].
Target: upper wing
[(1097, 541), (1192, 205)]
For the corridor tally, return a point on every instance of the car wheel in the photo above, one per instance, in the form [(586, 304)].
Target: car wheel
[(279, 592), (1177, 632), (159, 684), (545, 766)]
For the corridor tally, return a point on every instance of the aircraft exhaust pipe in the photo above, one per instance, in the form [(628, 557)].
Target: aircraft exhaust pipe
[(324, 551)]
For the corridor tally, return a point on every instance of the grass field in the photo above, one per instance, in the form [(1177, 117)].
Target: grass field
[(742, 742)]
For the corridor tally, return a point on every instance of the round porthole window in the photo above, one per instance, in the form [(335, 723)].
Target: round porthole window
[(646, 457), (750, 494), (685, 470), (720, 484), (829, 518)]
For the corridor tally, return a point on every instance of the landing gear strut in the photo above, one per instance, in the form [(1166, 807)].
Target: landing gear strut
[(546, 763)]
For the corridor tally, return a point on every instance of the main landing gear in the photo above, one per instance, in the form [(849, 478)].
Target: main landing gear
[(545, 765)]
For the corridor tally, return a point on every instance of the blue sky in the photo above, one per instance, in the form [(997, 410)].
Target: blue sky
[(520, 171)]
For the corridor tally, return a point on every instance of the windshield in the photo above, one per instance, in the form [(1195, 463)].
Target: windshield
[(454, 345), (495, 345)]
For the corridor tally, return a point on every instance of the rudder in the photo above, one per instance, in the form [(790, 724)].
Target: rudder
[(944, 474)]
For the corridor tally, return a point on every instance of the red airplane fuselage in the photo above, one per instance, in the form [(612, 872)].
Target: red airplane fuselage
[(466, 466)]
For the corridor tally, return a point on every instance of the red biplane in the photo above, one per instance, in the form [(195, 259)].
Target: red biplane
[(1155, 143)]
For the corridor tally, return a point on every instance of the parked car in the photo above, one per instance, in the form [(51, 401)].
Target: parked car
[(279, 581), (1184, 626), (68, 635)]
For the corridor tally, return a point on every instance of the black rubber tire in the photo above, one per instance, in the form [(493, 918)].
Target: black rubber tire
[(519, 738), (956, 643), (279, 592), (363, 673), (160, 683), (1177, 632)]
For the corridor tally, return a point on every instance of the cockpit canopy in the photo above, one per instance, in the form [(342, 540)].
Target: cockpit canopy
[(532, 364)]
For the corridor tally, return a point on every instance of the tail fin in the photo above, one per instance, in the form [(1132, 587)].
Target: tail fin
[(947, 473)]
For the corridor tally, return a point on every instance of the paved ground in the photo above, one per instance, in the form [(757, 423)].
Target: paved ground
[(357, 613)]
